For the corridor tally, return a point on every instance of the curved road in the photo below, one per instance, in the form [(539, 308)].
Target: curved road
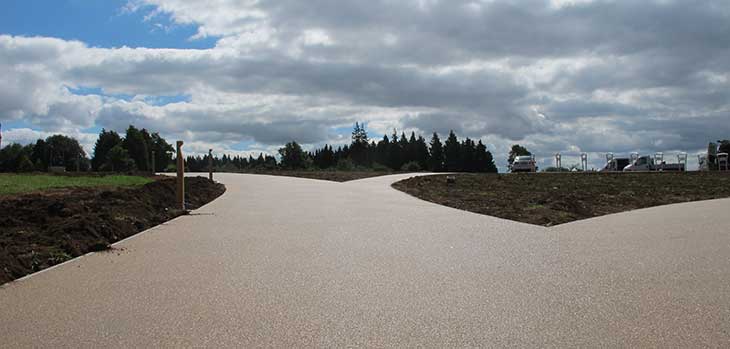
[(279, 261)]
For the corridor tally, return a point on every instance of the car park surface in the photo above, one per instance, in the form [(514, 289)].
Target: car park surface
[(280, 261)]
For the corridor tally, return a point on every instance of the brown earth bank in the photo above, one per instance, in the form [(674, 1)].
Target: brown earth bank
[(38, 230), (555, 198)]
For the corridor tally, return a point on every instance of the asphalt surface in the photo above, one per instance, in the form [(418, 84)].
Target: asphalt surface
[(288, 262)]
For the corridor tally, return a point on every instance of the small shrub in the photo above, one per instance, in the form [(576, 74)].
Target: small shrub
[(345, 165), (25, 165), (411, 167), (380, 167)]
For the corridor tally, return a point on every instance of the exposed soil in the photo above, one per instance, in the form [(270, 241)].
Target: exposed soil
[(334, 176), (555, 198), (38, 230)]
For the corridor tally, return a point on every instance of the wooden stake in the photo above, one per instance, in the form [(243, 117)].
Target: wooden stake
[(180, 176), (210, 164)]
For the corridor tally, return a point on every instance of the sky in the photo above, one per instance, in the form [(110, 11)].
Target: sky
[(247, 76)]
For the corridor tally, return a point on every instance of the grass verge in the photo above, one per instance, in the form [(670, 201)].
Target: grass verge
[(23, 183)]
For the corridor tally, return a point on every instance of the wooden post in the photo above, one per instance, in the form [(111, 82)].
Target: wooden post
[(154, 170), (180, 176), (210, 164)]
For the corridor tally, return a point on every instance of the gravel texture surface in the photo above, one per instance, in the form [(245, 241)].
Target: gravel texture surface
[(290, 262)]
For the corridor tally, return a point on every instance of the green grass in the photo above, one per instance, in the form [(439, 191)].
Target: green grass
[(20, 183)]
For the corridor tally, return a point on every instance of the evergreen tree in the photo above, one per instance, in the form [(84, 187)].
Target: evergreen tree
[(359, 146), (452, 156), (292, 156), (421, 152), (436, 159), (395, 160), (483, 160), (382, 151), (467, 153), (402, 151), (135, 144), (106, 141)]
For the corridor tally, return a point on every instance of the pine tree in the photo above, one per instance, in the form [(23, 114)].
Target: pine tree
[(483, 160), (452, 156), (410, 153), (135, 144), (466, 158), (359, 147), (422, 152), (381, 151), (394, 152), (106, 141), (436, 159)]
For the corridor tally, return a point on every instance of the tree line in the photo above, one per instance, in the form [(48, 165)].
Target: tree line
[(394, 153), (112, 153), (134, 151)]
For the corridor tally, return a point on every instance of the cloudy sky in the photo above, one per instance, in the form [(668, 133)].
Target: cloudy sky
[(245, 75)]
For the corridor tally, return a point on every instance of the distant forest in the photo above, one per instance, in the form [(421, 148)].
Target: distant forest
[(139, 150), (394, 153)]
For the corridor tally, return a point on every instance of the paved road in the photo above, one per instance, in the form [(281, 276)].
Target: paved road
[(288, 262)]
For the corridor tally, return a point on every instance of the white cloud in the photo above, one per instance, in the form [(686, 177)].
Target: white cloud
[(556, 75)]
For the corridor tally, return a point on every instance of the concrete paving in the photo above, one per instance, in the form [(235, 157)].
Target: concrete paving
[(288, 262)]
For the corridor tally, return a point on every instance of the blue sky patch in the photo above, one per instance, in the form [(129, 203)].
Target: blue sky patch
[(98, 23)]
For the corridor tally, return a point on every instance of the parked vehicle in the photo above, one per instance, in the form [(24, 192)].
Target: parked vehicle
[(615, 165), (646, 164), (523, 164)]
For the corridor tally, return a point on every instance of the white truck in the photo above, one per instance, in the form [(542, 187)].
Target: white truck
[(615, 165), (523, 164), (647, 164)]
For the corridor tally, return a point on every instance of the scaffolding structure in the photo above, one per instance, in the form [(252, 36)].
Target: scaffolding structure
[(722, 161)]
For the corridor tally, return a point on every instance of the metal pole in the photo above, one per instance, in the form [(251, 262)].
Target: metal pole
[(210, 164), (180, 176)]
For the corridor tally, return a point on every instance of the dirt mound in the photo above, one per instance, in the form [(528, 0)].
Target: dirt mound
[(39, 230), (555, 198)]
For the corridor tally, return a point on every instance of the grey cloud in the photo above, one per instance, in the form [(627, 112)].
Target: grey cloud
[(606, 75)]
